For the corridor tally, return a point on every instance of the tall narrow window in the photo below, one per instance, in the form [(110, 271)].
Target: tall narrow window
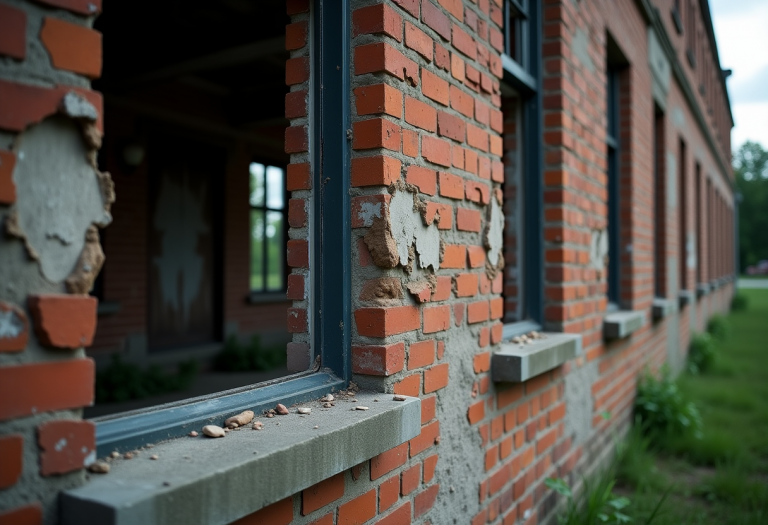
[(682, 208), (514, 210), (614, 225), (660, 277), (699, 228), (267, 199)]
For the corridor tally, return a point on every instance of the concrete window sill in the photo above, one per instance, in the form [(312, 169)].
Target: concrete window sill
[(702, 289), (621, 324), (686, 297), (661, 308), (518, 363), (216, 481)]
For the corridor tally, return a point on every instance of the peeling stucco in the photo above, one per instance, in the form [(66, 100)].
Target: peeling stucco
[(494, 238), (598, 249)]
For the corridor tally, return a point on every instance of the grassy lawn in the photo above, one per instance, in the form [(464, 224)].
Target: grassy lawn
[(720, 477)]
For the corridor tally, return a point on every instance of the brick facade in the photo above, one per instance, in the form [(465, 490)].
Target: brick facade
[(434, 140)]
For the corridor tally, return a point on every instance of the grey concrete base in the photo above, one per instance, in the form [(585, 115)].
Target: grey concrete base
[(662, 308), (517, 363), (685, 297), (621, 324), (209, 481), (702, 289)]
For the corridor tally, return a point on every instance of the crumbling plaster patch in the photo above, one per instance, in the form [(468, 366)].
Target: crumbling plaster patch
[(579, 402), (59, 194)]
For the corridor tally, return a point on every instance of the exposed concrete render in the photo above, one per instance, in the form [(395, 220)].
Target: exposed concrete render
[(494, 239)]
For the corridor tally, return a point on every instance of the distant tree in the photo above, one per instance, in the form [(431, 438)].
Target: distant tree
[(751, 166)]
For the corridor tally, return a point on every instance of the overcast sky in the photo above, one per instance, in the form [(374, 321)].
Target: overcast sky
[(741, 29)]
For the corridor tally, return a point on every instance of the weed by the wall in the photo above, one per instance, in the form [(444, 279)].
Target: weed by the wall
[(703, 353), (719, 327), (739, 302), (661, 409)]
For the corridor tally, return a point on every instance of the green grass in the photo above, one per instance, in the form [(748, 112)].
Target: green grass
[(722, 477)]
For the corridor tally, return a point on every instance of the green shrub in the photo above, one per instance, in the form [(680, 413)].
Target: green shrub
[(702, 354), (719, 327), (739, 302), (236, 357), (125, 381), (661, 409)]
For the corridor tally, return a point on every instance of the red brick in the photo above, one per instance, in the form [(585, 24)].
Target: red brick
[(428, 437), (296, 320), (64, 321), (442, 289), (425, 500), (424, 179), (419, 41), (376, 133), (410, 143), (410, 479), (454, 256), (298, 177), (435, 150), (295, 35), (557, 413), (435, 19), (15, 339), (27, 515), (421, 354), (389, 492), (470, 163), (72, 47), (13, 32), (388, 461), (430, 464), (22, 105), (296, 104), (497, 331), (477, 138), (462, 102), (11, 458), (496, 39), (482, 362), (477, 312), (434, 87), (359, 510), (437, 319), (65, 446), (321, 494), (476, 412), (297, 253), (363, 209), (420, 114), (464, 42), (497, 307), (457, 153), (375, 171), (466, 284), (280, 513), (401, 515), (451, 126), (491, 457), (436, 377), (484, 338), (378, 360), (468, 220), (444, 212), (383, 322), (381, 98), (377, 19), (409, 386), (296, 139), (497, 171), (383, 58), (297, 213), (7, 163), (442, 57), (546, 441), (476, 256), (478, 192), (428, 406), (455, 7), (296, 70), (451, 186), (411, 6), (458, 67)]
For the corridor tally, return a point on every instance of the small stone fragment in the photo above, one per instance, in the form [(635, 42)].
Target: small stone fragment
[(115, 454), (243, 418), (328, 398), (99, 467), (270, 415), (353, 400), (327, 405), (316, 426), (258, 425), (213, 431), (360, 407), (193, 434), (398, 398), (304, 410), (166, 483), (154, 456), (128, 455), (280, 409)]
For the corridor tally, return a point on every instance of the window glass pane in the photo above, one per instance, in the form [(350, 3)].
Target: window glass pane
[(275, 250), (257, 184), (275, 190), (514, 211), (257, 250)]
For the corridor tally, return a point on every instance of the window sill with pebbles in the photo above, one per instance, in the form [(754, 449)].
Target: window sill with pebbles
[(531, 354), (623, 323), (218, 474)]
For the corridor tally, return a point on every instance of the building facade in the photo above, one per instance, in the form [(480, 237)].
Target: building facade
[(473, 222)]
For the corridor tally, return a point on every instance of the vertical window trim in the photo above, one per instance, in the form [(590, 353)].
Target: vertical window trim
[(613, 153)]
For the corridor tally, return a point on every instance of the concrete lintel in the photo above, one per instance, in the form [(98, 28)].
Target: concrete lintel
[(518, 363), (662, 307), (201, 481), (686, 297), (702, 289), (621, 324)]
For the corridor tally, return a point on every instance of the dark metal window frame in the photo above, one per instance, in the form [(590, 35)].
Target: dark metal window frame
[(266, 291), (330, 263), (524, 74), (614, 175)]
